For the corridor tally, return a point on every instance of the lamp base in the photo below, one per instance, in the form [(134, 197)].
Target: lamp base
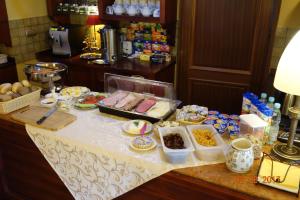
[(290, 155)]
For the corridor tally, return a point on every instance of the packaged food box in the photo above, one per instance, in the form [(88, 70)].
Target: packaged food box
[(208, 153), (176, 156)]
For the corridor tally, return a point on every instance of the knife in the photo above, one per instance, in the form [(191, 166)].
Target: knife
[(48, 114)]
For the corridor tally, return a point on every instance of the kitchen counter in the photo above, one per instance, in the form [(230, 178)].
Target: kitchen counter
[(86, 73), (27, 175)]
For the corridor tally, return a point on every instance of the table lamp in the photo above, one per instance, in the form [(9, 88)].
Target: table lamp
[(287, 79)]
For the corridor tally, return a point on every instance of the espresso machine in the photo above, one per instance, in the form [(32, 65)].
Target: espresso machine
[(109, 44)]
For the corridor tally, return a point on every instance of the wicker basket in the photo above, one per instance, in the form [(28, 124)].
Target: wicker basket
[(20, 102)]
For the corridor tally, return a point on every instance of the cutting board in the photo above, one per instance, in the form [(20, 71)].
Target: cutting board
[(56, 121)]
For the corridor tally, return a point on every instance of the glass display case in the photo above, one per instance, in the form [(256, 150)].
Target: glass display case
[(138, 98)]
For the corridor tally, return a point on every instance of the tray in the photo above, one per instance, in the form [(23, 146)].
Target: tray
[(133, 115)]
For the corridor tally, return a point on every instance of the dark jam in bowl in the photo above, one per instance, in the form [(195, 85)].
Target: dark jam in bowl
[(174, 141)]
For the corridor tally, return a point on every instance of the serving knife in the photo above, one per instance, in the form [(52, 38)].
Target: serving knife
[(48, 114)]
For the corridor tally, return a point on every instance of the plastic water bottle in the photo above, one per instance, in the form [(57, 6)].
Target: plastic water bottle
[(263, 97), (274, 129), (271, 102)]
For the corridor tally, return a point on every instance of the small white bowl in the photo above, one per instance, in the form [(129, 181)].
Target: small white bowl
[(48, 102)]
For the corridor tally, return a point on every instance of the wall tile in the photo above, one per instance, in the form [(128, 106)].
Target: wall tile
[(24, 47)]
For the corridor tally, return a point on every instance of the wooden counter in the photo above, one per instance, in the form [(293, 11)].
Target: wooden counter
[(85, 73), (26, 175)]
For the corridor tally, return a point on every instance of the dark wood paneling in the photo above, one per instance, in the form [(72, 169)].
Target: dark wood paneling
[(8, 72), (214, 95), (27, 174), (4, 26), (224, 33), (226, 43)]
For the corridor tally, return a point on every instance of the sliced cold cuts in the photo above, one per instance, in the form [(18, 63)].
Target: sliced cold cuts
[(145, 105), (114, 98)]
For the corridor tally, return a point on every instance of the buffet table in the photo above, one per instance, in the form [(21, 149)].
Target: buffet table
[(25, 174)]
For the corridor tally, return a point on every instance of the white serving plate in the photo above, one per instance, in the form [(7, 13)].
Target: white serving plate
[(126, 128), (176, 156), (214, 153)]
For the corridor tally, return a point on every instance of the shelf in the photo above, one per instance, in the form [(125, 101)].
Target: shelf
[(131, 18)]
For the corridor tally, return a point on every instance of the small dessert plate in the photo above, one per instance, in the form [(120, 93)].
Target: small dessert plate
[(146, 143), (133, 127), (48, 102)]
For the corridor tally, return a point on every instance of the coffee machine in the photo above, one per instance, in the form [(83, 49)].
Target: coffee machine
[(67, 40), (109, 44)]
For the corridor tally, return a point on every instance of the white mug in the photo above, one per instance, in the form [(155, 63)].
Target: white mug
[(156, 13), (118, 9), (132, 10), (109, 10), (146, 11)]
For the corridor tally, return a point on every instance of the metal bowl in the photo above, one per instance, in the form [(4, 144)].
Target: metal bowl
[(41, 72)]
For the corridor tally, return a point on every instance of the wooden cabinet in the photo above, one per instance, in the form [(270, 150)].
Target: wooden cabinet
[(224, 50), (168, 11), (8, 72), (4, 26), (51, 8)]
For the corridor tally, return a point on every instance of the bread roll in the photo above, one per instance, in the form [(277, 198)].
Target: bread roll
[(16, 86), (5, 97), (15, 95), (5, 88), (25, 83), (24, 90)]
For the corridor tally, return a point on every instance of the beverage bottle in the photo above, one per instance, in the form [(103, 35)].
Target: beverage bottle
[(263, 97), (271, 102), (274, 129)]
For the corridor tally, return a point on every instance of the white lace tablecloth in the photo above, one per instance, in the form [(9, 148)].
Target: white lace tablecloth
[(93, 159)]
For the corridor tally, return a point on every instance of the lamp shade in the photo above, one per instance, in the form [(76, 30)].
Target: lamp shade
[(287, 78)]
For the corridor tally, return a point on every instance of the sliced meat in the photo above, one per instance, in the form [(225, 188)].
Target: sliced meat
[(132, 104), (114, 98), (126, 100), (145, 105)]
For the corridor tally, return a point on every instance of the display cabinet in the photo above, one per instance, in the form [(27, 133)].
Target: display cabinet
[(168, 11)]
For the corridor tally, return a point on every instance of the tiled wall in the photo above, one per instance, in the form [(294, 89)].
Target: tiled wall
[(28, 36), (282, 37)]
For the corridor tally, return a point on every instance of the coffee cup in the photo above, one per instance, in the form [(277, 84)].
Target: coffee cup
[(109, 10), (156, 13)]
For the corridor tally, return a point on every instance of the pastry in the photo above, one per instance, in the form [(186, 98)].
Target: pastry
[(143, 143), (114, 98), (192, 113), (5, 97), (26, 83), (160, 109), (24, 90), (132, 104), (16, 86), (145, 105), (126, 100), (5, 88)]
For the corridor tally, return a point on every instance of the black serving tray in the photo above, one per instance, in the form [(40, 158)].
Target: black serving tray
[(133, 115)]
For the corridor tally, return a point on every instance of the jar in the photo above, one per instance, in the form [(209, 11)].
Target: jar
[(239, 157)]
